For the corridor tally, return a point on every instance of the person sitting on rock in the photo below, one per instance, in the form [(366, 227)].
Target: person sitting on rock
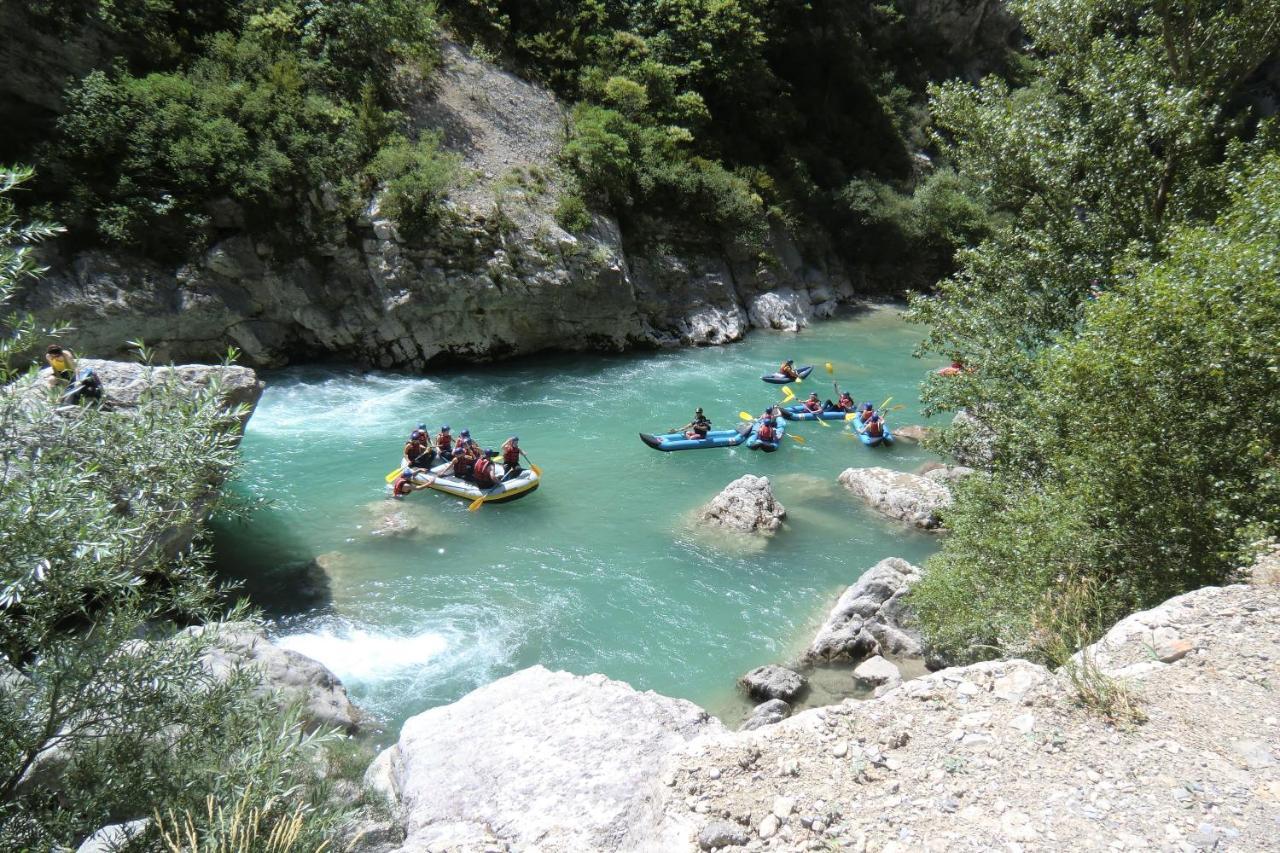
[(62, 361), (418, 451), (511, 453), (788, 369), (813, 404), (405, 484), (87, 387), (444, 442), (698, 427)]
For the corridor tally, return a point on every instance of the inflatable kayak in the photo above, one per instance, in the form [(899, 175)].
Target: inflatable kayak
[(799, 413), (513, 489), (715, 438), (755, 443), (779, 379), (873, 440)]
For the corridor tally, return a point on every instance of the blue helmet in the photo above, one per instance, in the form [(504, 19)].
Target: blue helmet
[(406, 472), (867, 405), (466, 432), (444, 428), (515, 438)]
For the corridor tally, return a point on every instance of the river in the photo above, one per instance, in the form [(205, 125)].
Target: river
[(599, 570)]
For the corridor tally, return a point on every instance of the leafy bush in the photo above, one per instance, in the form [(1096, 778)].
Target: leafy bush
[(571, 212), (417, 176)]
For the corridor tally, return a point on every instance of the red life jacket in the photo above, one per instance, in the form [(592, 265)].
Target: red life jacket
[(510, 456), (847, 403), (402, 487), (415, 450), (865, 416), (482, 473), (812, 406), (874, 429), (766, 433), (444, 443)]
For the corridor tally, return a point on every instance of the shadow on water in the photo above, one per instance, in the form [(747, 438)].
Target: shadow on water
[(273, 577)]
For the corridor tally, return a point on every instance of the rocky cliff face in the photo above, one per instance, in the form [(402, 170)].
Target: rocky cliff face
[(995, 755), (499, 278)]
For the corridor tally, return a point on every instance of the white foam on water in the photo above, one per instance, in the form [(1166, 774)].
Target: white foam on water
[(358, 655), (348, 404)]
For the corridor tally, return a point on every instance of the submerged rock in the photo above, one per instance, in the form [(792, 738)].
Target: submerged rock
[(869, 618), (773, 682), (545, 759), (766, 714), (296, 678), (910, 432), (907, 497), (747, 505), (876, 671)]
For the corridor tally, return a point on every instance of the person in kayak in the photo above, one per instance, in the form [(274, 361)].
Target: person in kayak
[(874, 427), (482, 471), (418, 451), (511, 453), (788, 369), (843, 404), (867, 411), (698, 427), (768, 430), (444, 442), (813, 404), (405, 484), (62, 361)]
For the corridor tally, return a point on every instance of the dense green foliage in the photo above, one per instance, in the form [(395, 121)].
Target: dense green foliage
[(278, 98), (1125, 349), (106, 711), (727, 112)]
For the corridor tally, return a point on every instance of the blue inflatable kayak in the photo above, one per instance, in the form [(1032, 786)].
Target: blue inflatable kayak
[(779, 379), (715, 438), (799, 413), (872, 441), (754, 443)]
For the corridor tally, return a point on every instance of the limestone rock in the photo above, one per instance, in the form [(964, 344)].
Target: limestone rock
[(773, 682), (876, 671), (974, 439), (869, 609), (766, 714), (295, 677), (896, 494), (747, 505), (720, 834), (114, 837), (783, 309), (910, 432), (545, 759), (945, 474)]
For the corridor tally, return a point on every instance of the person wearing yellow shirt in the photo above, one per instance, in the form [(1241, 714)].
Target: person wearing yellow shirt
[(63, 362)]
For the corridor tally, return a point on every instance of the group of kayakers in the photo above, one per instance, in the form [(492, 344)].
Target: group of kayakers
[(868, 420), (464, 459)]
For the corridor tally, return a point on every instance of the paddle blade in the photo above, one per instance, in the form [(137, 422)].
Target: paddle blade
[(745, 416), (885, 403), (796, 438), (788, 394), (823, 424), (475, 504), (390, 477), (536, 469), (850, 416), (831, 370)]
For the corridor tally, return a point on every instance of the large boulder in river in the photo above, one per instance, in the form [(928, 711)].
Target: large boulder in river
[(295, 678), (746, 505), (870, 618), (907, 497), (541, 759), (773, 682)]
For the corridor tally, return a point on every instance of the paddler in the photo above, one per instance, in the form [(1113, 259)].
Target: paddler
[(444, 442), (418, 452), (874, 427), (698, 427), (482, 471), (405, 484), (511, 454), (813, 404), (788, 369), (867, 411)]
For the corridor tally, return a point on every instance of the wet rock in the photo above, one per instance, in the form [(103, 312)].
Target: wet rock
[(746, 505), (899, 495), (910, 432), (773, 682), (766, 714), (877, 671), (871, 606)]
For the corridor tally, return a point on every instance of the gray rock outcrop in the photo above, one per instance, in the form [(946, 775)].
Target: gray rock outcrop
[(905, 497), (546, 759), (499, 277), (746, 505), (766, 714), (295, 678), (973, 439), (124, 382), (773, 682), (870, 617), (114, 837), (946, 474), (877, 671)]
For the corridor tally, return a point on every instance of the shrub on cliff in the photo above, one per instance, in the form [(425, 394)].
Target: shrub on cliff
[(1156, 431), (106, 711)]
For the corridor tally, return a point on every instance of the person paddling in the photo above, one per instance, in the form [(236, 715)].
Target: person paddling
[(768, 430), (418, 451), (405, 484), (788, 369), (874, 427), (698, 427), (444, 442), (844, 404), (867, 412), (511, 454), (813, 404), (482, 471)]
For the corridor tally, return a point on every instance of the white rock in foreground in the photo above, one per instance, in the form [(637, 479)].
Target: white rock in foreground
[(543, 760), (897, 494), (869, 618), (747, 505)]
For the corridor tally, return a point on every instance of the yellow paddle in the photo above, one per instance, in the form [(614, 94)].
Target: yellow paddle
[(788, 394), (795, 438), (396, 473), (830, 370), (475, 504)]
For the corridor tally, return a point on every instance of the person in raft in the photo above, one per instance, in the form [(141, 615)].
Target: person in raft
[(63, 362), (873, 427), (768, 429), (511, 454), (464, 457), (418, 451), (698, 427), (843, 404), (813, 404), (867, 411), (404, 484), (482, 471), (788, 369), (444, 442)]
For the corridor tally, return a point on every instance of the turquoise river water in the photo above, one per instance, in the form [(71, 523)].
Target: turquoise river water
[(599, 570)]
